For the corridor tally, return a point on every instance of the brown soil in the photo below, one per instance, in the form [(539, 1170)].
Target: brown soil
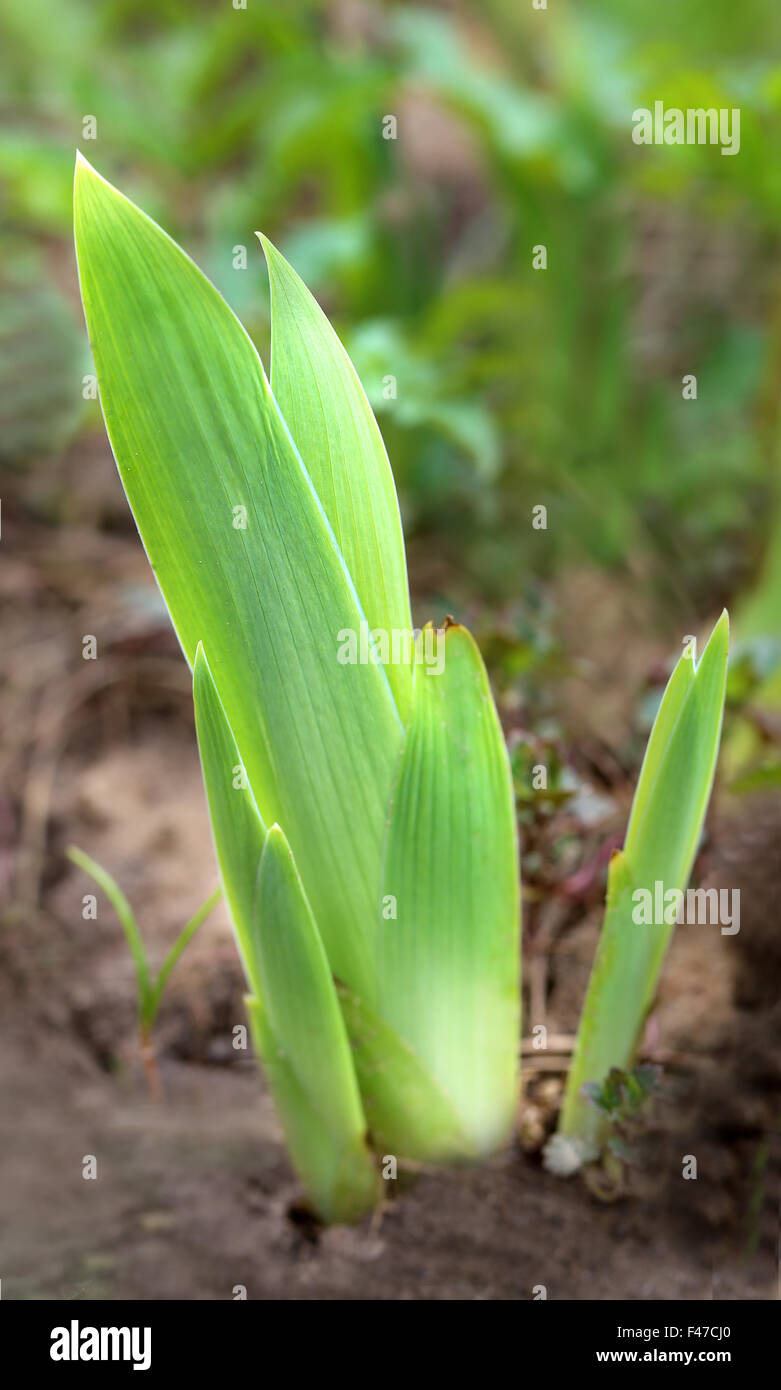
[(194, 1196)]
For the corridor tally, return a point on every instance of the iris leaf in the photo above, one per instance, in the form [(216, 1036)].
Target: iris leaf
[(447, 960), (660, 846), (244, 555)]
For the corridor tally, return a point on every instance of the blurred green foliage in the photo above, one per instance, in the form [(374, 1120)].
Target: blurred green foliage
[(498, 386)]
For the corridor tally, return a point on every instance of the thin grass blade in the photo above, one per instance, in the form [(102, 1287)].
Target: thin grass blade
[(183, 939), (126, 917)]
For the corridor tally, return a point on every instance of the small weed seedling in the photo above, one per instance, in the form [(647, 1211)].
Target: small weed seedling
[(149, 990)]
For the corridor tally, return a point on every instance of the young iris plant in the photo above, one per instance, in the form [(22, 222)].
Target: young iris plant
[(659, 849), (362, 813)]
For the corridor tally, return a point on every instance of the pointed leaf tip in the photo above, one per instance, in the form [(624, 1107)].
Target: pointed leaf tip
[(83, 169), (332, 423), (196, 432)]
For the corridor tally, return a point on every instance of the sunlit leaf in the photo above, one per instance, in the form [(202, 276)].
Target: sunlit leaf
[(304, 1042), (332, 424), (448, 963), (243, 554), (237, 826), (406, 1110)]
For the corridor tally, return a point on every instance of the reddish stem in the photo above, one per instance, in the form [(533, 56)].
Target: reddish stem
[(149, 1059)]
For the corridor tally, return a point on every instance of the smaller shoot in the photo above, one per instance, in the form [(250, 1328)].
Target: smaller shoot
[(149, 988), (662, 839)]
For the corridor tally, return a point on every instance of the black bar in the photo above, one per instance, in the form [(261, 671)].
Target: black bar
[(380, 1340)]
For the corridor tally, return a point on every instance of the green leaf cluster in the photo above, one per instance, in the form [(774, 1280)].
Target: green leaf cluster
[(362, 811)]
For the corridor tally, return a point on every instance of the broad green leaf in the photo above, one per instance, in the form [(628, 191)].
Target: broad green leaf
[(661, 842), (237, 826), (669, 712), (332, 424), (407, 1112), (337, 1171), (244, 555), (307, 1059), (614, 1011), (448, 932), (303, 1041), (677, 773)]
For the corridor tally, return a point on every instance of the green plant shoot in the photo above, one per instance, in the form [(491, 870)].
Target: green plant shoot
[(149, 989), (356, 774), (661, 842)]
